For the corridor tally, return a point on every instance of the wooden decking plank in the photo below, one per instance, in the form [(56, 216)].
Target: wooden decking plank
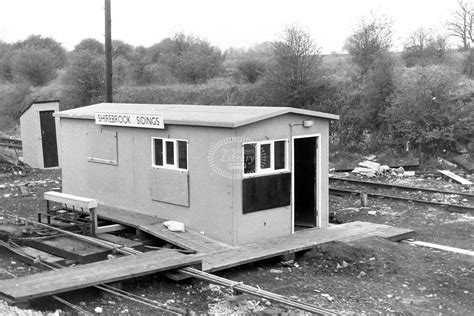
[(301, 240), (126, 217), (77, 277), (188, 240)]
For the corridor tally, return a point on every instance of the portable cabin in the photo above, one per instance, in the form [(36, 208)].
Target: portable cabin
[(38, 134), (237, 174)]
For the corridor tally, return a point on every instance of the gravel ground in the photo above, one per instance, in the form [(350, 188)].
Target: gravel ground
[(369, 276)]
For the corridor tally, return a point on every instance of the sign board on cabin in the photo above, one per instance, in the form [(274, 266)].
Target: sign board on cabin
[(154, 120)]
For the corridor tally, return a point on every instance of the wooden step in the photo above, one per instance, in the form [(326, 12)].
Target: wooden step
[(83, 276)]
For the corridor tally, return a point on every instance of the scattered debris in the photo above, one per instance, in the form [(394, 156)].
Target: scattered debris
[(370, 157), (362, 274), (24, 190), (373, 169), (365, 172), (328, 297), (174, 226), (13, 164), (445, 162)]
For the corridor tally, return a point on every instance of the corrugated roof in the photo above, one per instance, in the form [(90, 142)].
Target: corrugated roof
[(199, 115)]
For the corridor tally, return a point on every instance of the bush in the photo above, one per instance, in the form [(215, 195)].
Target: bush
[(425, 112), (83, 80), (215, 92), (14, 98), (251, 70), (36, 67)]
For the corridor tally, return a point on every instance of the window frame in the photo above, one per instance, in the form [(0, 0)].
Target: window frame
[(175, 164), (259, 171)]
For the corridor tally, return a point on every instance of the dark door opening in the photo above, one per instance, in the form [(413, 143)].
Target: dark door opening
[(48, 139), (305, 185)]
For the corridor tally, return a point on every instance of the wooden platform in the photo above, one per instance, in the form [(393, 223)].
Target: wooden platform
[(189, 240), (210, 256), (220, 256), (68, 279), (301, 240)]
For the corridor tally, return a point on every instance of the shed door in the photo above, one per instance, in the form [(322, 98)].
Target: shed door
[(48, 139), (305, 185)]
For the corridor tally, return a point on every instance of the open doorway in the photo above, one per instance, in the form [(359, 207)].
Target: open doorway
[(305, 184)]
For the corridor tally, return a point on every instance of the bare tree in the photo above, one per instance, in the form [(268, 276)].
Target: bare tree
[(424, 47), (371, 39), (292, 74), (461, 24)]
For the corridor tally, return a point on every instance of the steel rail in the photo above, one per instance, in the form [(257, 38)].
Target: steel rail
[(55, 297), (103, 287), (210, 277), (254, 291), (106, 244), (451, 207), (398, 186)]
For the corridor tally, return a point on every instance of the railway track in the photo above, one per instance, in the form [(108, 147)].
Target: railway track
[(455, 201), (237, 286)]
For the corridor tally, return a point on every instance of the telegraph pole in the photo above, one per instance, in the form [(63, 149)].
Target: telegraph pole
[(108, 53)]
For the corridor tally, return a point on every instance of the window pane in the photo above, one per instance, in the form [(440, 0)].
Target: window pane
[(265, 156), (249, 158), (182, 154), (280, 154), (170, 153), (158, 144)]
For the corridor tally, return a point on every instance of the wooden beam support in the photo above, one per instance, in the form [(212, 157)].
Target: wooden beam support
[(109, 228)]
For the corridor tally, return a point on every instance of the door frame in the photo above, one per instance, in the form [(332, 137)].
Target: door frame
[(318, 179)]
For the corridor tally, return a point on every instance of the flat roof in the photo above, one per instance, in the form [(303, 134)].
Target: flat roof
[(26, 108), (197, 115)]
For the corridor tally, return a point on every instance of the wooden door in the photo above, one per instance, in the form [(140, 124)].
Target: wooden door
[(48, 139)]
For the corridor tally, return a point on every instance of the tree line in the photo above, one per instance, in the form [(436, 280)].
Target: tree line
[(419, 98)]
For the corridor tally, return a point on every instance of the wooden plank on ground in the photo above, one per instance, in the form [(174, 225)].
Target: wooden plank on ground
[(78, 277), (187, 240), (455, 177), (441, 247), (70, 248), (402, 162)]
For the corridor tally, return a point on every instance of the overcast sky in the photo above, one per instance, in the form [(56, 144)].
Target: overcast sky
[(224, 23)]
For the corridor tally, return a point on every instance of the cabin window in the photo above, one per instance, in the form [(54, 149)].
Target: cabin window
[(170, 153), (265, 157)]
